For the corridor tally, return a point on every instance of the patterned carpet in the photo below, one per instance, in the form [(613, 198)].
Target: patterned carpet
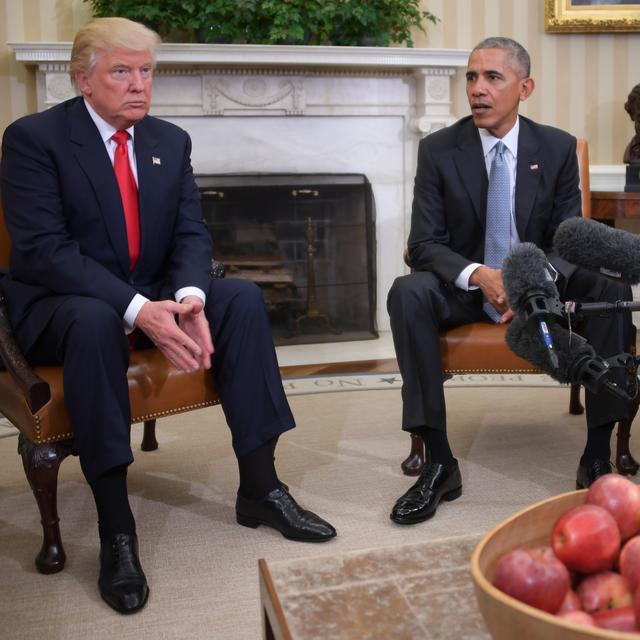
[(516, 445)]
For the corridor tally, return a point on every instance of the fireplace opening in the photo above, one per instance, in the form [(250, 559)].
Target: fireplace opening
[(308, 240)]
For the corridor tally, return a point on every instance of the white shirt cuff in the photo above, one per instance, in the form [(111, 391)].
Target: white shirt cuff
[(190, 291), (132, 311), (462, 281)]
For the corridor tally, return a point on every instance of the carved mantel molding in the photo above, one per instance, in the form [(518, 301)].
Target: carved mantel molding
[(219, 80)]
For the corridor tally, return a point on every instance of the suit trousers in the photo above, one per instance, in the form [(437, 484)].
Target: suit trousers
[(86, 336), (420, 305)]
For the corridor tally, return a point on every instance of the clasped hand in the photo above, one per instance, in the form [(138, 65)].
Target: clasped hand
[(187, 343), (490, 282)]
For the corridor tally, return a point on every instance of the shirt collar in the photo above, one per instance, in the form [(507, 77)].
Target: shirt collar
[(510, 139), (104, 128)]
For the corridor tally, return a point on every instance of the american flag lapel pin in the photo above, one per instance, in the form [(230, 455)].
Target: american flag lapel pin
[(155, 160), (534, 167)]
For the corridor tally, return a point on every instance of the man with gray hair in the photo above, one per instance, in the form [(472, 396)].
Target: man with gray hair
[(110, 252), (484, 184)]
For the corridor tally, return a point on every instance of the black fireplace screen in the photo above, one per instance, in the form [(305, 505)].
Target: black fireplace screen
[(308, 241)]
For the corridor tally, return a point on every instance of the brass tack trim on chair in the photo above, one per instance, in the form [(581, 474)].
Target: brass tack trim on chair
[(63, 436), (170, 412), (489, 371)]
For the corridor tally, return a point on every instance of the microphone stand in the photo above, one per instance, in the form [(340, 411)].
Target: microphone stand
[(593, 373)]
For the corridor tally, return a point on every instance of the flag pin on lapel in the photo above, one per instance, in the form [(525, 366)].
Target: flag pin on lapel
[(533, 167), (155, 160)]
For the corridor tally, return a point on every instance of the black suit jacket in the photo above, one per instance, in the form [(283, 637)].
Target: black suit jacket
[(450, 195), (64, 214)]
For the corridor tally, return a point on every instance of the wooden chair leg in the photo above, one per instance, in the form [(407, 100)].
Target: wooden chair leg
[(149, 442), (575, 406), (41, 464), (413, 463)]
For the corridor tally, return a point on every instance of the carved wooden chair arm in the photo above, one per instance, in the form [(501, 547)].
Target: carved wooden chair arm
[(36, 390)]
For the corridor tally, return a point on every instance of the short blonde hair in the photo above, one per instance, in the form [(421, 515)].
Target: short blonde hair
[(104, 34)]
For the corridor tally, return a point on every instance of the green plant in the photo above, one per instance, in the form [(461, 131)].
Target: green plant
[(338, 22)]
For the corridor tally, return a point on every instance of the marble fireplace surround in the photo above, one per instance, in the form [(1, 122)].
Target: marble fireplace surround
[(293, 109)]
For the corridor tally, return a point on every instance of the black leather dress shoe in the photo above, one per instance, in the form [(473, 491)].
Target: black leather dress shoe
[(421, 501), (122, 583), (589, 472), (280, 511)]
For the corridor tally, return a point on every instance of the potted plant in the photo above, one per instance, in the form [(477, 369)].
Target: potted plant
[(335, 22)]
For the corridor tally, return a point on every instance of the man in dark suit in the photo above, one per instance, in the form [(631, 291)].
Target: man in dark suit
[(109, 250), (493, 156)]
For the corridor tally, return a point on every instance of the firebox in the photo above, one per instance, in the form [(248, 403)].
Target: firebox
[(308, 240)]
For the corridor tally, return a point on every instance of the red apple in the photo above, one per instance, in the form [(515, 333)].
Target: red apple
[(605, 590), (629, 561), (636, 605), (621, 619), (579, 617), (621, 498), (571, 602), (533, 576), (586, 539)]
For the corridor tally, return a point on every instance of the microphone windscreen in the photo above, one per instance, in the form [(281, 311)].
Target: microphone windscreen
[(524, 272), (523, 339), (593, 245)]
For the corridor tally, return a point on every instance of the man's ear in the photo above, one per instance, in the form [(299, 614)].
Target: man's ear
[(82, 83), (526, 88)]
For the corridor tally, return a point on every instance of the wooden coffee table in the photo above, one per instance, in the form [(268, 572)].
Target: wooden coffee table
[(408, 591)]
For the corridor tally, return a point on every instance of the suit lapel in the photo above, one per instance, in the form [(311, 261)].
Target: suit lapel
[(94, 161), (529, 170), (468, 157), (150, 170)]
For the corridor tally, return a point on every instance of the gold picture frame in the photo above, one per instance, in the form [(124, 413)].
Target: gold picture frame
[(595, 16)]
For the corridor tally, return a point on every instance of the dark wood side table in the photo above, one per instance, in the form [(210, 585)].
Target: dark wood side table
[(615, 205)]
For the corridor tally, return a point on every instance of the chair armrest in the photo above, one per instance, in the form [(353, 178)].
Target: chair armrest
[(36, 390)]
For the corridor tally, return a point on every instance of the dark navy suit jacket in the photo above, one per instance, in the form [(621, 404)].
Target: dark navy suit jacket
[(63, 211), (450, 195)]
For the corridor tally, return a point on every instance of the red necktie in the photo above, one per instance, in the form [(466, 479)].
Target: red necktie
[(129, 195)]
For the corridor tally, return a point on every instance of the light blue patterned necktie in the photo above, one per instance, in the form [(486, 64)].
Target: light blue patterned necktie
[(497, 238)]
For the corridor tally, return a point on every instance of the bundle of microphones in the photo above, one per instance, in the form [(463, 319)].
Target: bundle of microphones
[(541, 331)]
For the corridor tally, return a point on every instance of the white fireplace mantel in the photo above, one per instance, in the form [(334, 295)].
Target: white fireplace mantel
[(429, 71), (297, 109)]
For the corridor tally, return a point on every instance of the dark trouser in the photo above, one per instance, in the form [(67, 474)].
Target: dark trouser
[(86, 336), (419, 305)]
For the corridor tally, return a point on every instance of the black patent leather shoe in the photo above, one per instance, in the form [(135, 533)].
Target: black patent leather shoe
[(421, 501), (589, 472), (279, 510), (122, 583)]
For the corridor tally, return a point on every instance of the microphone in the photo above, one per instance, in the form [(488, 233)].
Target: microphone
[(594, 245), (531, 292), (578, 362)]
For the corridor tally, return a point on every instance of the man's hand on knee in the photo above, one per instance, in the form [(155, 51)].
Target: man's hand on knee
[(196, 325), (157, 321)]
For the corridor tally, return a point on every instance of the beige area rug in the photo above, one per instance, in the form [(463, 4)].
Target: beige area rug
[(515, 445)]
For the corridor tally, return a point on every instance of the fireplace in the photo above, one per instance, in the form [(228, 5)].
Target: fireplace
[(308, 240)]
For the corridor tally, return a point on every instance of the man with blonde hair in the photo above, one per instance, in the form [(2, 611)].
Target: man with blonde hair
[(110, 252)]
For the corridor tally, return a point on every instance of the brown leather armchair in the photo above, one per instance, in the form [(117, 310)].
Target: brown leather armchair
[(479, 348), (33, 400)]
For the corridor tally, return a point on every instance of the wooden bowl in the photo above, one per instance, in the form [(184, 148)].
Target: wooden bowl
[(507, 618)]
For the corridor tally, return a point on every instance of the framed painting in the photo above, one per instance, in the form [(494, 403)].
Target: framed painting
[(575, 16)]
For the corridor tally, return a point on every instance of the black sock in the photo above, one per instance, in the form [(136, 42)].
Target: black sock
[(258, 472), (598, 445), (112, 502), (437, 446)]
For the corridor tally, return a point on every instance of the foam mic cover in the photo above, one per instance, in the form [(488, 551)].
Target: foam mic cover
[(523, 339), (594, 245), (524, 273)]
